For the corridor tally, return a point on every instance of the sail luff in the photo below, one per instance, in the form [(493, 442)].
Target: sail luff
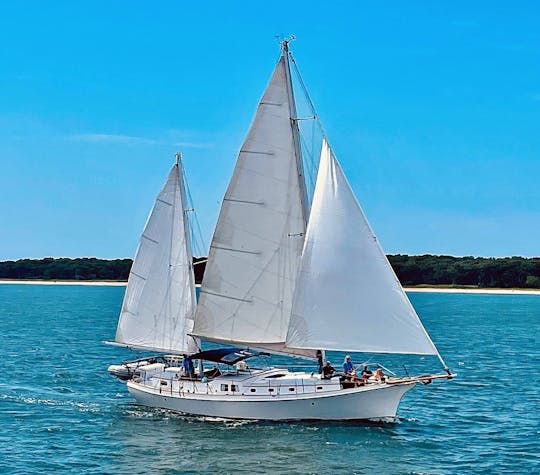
[(295, 132), (189, 342)]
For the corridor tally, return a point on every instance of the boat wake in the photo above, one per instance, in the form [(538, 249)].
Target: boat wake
[(139, 411), (80, 406)]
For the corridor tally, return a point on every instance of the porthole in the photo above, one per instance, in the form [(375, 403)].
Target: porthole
[(253, 390), (291, 389), (270, 390)]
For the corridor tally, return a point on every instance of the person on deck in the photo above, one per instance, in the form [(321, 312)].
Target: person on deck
[(348, 367), (366, 372), (380, 376), (320, 360), (328, 370), (350, 374), (189, 369)]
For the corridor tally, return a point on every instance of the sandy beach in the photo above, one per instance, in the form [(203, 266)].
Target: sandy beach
[(407, 289), (432, 290)]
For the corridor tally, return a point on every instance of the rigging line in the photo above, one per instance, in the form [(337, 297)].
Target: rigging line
[(308, 151), (311, 160), (198, 236), (303, 86), (308, 97)]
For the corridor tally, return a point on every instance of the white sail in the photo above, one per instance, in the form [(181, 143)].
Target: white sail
[(347, 295), (159, 303), (248, 285)]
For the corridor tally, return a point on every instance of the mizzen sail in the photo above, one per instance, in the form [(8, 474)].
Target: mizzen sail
[(347, 296), (249, 280), (159, 303)]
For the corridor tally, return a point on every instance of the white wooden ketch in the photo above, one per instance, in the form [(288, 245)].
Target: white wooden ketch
[(273, 282)]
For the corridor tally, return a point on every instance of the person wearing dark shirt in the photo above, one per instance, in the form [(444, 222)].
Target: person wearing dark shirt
[(320, 360), (366, 372), (328, 370), (189, 369)]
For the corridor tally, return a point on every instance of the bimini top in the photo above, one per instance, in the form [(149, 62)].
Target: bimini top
[(228, 356)]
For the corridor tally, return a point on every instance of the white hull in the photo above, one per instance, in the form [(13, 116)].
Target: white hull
[(373, 402)]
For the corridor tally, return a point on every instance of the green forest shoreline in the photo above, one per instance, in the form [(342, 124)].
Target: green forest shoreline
[(428, 270)]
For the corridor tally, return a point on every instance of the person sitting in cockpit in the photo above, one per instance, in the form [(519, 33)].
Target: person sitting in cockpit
[(328, 370)]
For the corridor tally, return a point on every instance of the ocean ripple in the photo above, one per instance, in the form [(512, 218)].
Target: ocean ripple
[(62, 412)]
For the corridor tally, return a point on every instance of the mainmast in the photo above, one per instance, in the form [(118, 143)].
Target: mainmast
[(191, 342), (247, 290), (295, 129)]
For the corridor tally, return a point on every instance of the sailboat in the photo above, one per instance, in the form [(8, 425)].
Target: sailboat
[(278, 281)]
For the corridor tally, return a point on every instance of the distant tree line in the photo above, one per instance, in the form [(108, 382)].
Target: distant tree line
[(508, 272), (66, 269), (86, 268)]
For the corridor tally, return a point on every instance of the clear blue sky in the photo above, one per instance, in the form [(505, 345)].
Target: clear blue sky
[(433, 109)]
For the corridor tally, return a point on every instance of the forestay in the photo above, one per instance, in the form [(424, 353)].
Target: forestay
[(246, 293), (159, 303), (347, 295)]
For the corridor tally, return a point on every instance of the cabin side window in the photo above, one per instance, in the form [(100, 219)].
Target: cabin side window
[(224, 387), (234, 387)]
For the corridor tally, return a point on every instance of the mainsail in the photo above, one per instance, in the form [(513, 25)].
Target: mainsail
[(159, 303), (347, 296), (247, 290)]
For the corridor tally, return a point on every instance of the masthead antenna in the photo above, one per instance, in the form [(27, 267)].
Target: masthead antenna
[(285, 43)]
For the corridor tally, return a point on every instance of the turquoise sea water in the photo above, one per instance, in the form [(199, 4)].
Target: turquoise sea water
[(61, 412)]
